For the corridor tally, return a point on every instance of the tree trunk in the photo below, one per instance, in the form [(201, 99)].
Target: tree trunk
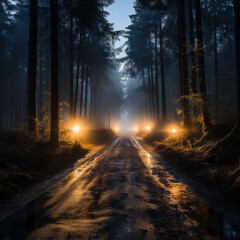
[(145, 94), (201, 67), (86, 94), (91, 99), (71, 59), (184, 64), (164, 112), (41, 87), (150, 94), (216, 66), (156, 77), (237, 45), (82, 86), (192, 49), (54, 74), (32, 71), (77, 78), (193, 59)]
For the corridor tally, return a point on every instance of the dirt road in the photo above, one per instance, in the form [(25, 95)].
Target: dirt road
[(123, 193)]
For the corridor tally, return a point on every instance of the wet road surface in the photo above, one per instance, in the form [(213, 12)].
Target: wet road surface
[(123, 193)]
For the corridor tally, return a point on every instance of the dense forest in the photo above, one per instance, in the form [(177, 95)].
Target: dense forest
[(57, 64), (111, 133), (183, 52)]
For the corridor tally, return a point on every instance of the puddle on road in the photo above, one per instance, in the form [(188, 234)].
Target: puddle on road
[(180, 197), (24, 221), (197, 211)]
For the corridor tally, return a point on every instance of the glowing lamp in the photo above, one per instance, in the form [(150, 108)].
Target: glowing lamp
[(76, 129), (174, 130), (148, 128)]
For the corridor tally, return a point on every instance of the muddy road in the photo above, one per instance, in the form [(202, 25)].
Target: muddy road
[(123, 193)]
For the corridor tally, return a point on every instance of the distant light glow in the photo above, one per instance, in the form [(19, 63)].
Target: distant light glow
[(116, 129), (174, 130), (136, 129), (76, 129), (148, 128)]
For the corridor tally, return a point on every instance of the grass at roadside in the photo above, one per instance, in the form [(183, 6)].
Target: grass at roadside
[(24, 161), (212, 159)]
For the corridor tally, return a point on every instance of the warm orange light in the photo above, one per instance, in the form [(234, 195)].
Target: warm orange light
[(76, 129), (148, 128), (174, 130), (116, 129)]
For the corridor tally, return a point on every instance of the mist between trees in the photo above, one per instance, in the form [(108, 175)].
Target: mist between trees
[(58, 63), (183, 53)]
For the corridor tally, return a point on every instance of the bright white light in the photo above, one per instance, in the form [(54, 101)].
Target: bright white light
[(76, 129), (148, 128), (136, 129), (174, 130)]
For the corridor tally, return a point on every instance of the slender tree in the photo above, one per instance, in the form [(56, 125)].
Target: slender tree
[(54, 74), (71, 57), (215, 33), (192, 48), (156, 76), (237, 46), (164, 112), (86, 93), (201, 67), (32, 69), (183, 63)]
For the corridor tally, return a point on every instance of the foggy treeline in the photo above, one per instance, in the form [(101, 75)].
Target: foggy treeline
[(58, 63), (51, 48), (183, 52)]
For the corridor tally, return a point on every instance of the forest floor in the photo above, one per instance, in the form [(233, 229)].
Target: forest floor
[(25, 162), (213, 160)]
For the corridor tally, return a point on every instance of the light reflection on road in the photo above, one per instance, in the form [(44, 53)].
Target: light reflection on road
[(123, 192), (195, 210)]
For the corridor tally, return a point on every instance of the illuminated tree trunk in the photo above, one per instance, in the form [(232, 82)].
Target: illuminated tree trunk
[(183, 63), (54, 74), (201, 67), (32, 71), (237, 45)]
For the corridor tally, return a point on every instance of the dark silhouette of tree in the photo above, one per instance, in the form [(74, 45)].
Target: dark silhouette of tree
[(183, 63), (237, 44), (192, 48), (164, 111), (71, 56), (54, 74), (32, 69), (201, 66)]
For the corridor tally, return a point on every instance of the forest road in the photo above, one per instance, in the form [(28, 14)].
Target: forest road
[(124, 193)]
